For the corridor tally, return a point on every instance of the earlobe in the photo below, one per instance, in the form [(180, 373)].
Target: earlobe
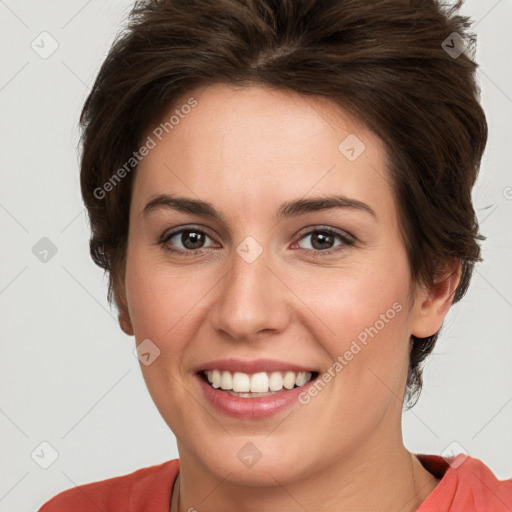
[(125, 322), (123, 316), (432, 305)]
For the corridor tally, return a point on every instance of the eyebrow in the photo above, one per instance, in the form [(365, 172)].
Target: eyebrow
[(289, 209)]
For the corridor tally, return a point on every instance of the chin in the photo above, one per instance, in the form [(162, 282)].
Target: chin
[(255, 461)]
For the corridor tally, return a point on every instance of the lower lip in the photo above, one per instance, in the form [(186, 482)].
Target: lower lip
[(251, 408)]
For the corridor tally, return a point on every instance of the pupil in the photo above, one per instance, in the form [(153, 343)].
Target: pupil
[(325, 237), (195, 237)]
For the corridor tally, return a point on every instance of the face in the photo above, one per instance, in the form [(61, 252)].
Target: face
[(302, 273)]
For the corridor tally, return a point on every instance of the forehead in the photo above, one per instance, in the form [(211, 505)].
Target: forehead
[(259, 143)]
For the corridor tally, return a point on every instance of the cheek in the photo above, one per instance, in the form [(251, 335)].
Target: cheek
[(348, 302), (361, 317), (153, 299), (166, 303)]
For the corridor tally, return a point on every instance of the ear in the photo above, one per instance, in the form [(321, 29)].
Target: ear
[(125, 321), (123, 316), (432, 304)]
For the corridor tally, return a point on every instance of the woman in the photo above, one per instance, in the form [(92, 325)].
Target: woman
[(281, 194)]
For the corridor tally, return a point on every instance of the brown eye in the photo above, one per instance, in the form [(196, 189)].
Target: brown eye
[(324, 240), (187, 241), (192, 239)]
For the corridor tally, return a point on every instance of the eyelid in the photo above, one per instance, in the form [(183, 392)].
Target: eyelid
[(320, 228), (169, 234), (305, 231), (345, 237)]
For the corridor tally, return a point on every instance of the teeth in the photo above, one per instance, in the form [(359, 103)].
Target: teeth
[(241, 382), (289, 380), (275, 383), (261, 382), (302, 378), (226, 381), (215, 379)]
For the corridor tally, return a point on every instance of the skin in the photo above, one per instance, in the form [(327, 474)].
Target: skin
[(246, 151)]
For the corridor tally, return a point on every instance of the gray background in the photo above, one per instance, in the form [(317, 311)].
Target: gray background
[(68, 376)]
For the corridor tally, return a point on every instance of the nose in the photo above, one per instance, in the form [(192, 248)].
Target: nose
[(252, 300)]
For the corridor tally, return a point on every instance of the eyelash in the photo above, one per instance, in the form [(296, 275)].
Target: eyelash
[(345, 238)]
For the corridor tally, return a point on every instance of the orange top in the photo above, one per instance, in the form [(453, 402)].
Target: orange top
[(470, 487)]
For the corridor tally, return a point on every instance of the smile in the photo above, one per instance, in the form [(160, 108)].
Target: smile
[(257, 384), (253, 389)]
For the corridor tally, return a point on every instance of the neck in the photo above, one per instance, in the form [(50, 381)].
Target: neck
[(387, 479)]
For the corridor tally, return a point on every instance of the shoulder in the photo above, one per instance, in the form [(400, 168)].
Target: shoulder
[(134, 492), (488, 493), (466, 485)]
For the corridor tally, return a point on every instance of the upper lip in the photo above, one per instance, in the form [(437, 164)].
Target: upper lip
[(252, 366)]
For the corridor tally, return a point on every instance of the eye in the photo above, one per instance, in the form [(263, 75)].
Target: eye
[(192, 241), (323, 240)]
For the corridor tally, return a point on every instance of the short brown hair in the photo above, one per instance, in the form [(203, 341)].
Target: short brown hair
[(387, 62)]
